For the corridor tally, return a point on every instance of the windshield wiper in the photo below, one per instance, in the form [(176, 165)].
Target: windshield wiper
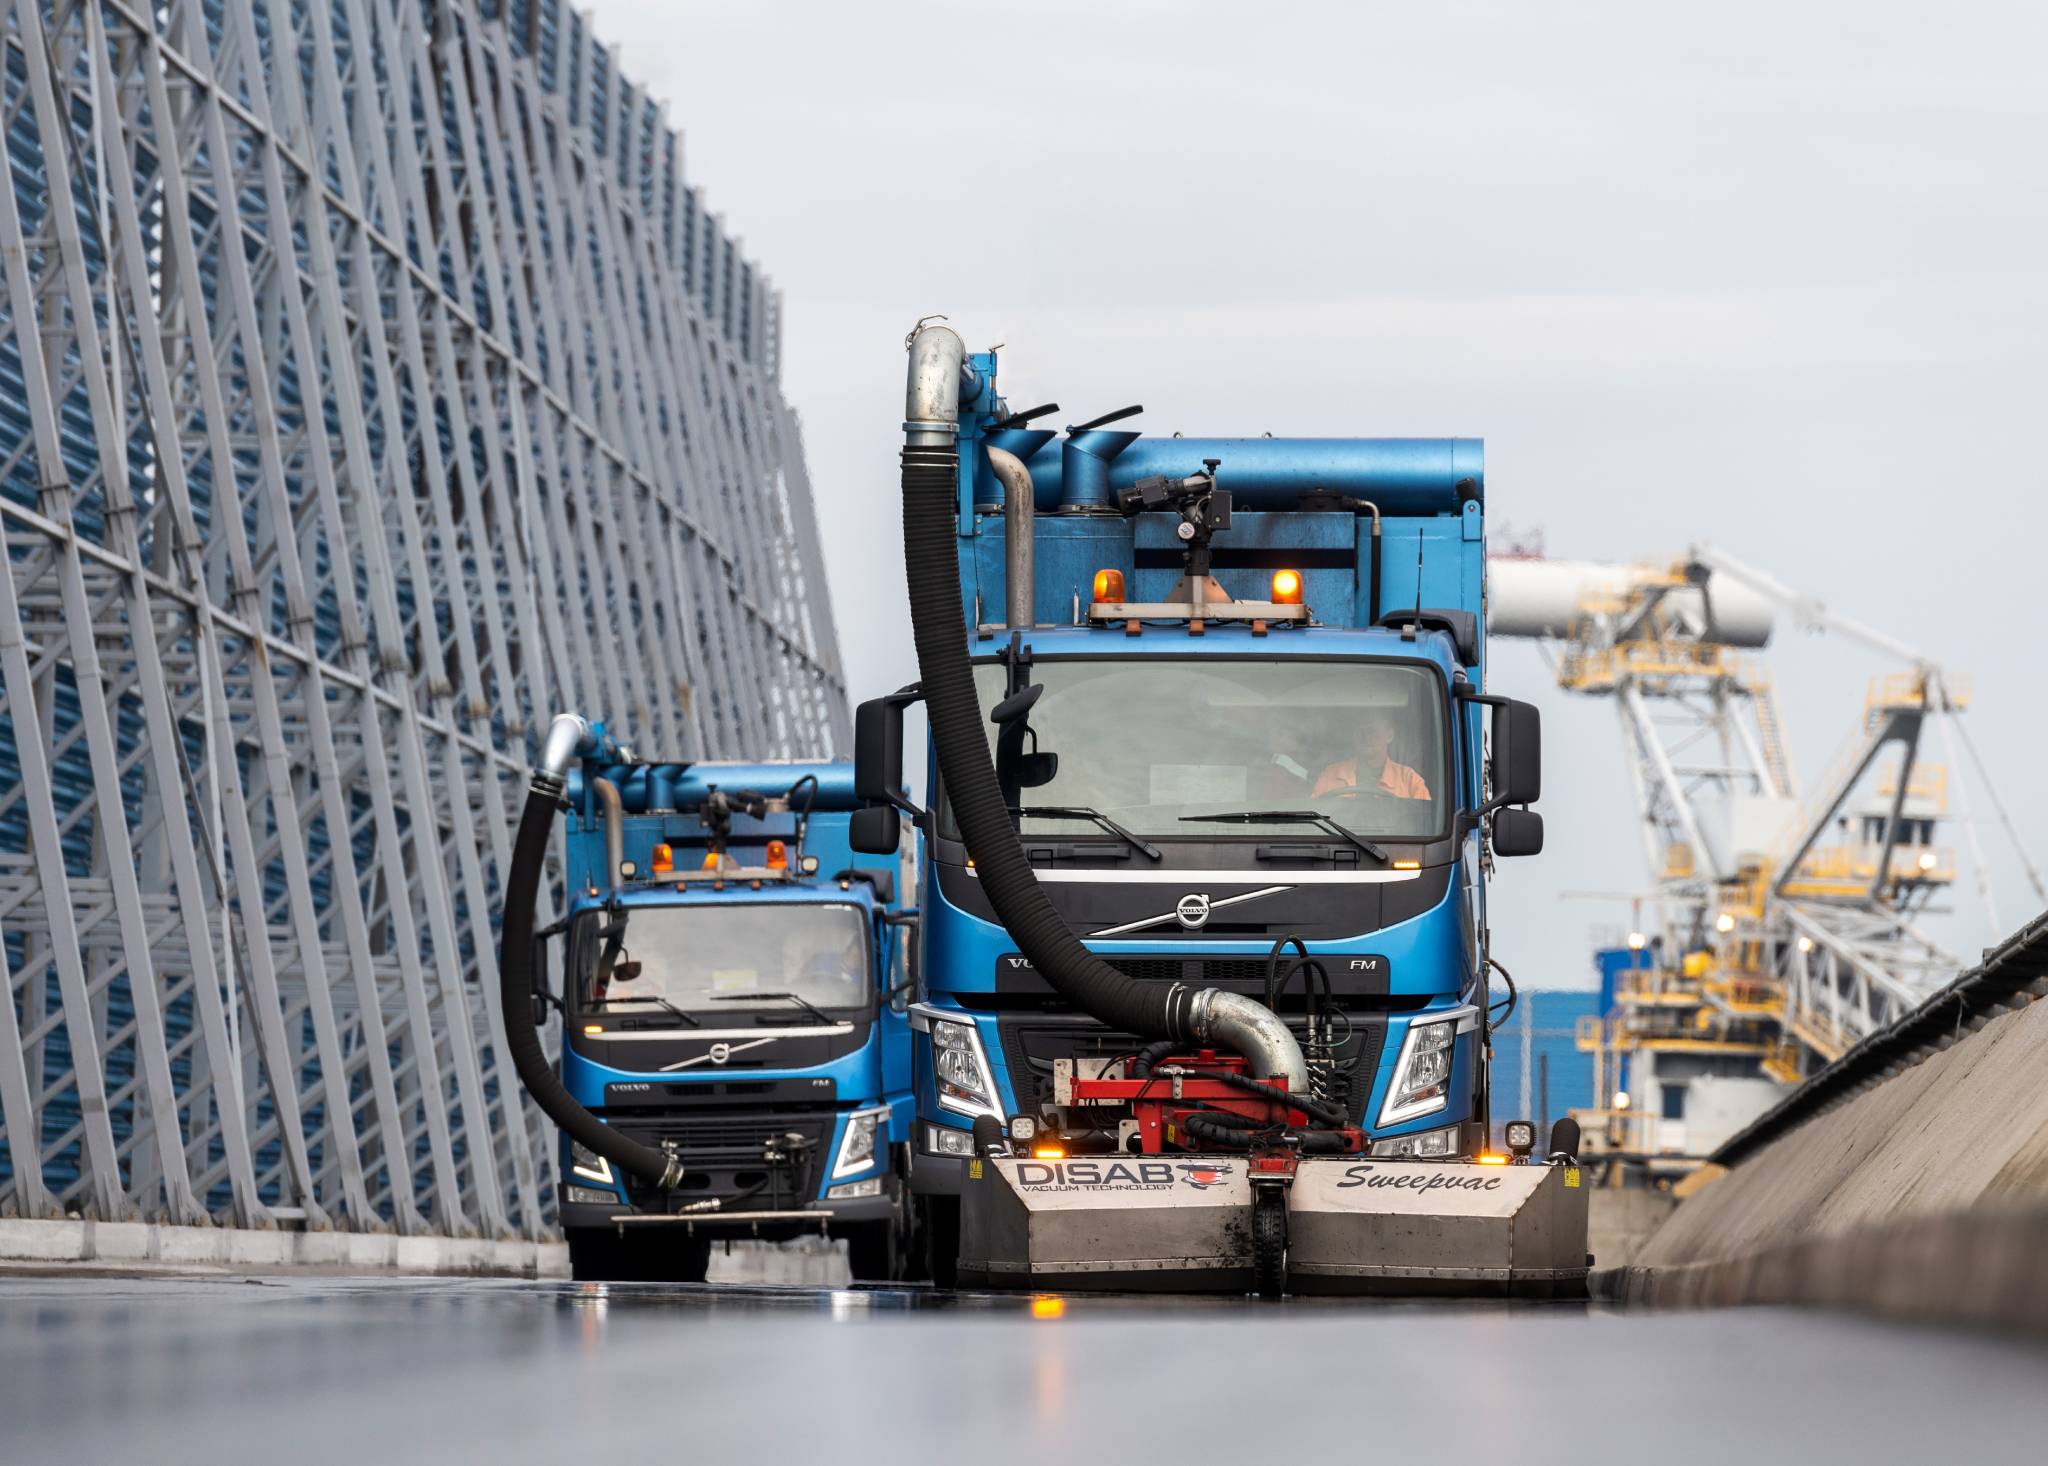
[(804, 1003), (1297, 817), (649, 998), (1082, 812)]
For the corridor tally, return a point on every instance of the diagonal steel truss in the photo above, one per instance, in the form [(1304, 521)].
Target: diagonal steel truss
[(372, 386)]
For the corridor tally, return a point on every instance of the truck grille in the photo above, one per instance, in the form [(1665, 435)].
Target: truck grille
[(724, 1156), (1031, 1044), (1196, 971), (1351, 978)]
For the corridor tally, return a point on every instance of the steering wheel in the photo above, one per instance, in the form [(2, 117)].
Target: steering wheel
[(1370, 809)]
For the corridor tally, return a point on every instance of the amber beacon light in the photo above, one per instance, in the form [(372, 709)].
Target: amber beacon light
[(1109, 587), (1287, 587)]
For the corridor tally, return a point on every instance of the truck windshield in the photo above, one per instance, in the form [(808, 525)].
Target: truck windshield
[(724, 960), (1149, 741)]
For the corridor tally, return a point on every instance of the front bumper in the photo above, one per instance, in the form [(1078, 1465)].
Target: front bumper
[(815, 1218), (1182, 1223), (937, 1175)]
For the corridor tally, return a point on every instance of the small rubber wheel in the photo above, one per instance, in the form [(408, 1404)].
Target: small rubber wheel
[(874, 1252), (942, 1240), (1269, 1242)]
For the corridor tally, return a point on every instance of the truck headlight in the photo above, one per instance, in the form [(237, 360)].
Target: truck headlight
[(586, 1162), (1430, 1145), (945, 1140), (1422, 1075), (590, 1196), (857, 1145), (961, 1070)]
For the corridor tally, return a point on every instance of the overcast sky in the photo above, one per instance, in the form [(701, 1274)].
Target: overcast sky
[(1770, 275)]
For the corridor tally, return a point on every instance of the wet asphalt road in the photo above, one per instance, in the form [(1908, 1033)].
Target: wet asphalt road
[(345, 1370)]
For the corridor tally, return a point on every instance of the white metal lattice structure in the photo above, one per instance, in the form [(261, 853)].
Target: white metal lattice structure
[(372, 387)]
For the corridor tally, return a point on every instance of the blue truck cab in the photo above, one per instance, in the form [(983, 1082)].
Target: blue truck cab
[(1236, 703), (734, 986)]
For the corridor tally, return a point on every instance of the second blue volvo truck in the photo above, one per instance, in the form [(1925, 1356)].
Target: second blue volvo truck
[(733, 984)]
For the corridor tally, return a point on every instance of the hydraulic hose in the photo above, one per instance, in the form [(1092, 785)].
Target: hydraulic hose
[(1319, 1111), (658, 1168), (931, 461), (1227, 1131)]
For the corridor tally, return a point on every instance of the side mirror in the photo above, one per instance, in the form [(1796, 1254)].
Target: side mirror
[(1016, 769), (1517, 832), (899, 994), (878, 754), (1517, 754), (875, 830), (1036, 770)]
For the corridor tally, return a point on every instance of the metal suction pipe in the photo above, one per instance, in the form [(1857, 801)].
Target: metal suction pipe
[(931, 411), (1234, 1021)]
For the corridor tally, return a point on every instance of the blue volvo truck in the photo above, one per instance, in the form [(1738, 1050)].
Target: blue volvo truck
[(733, 983), (1231, 692)]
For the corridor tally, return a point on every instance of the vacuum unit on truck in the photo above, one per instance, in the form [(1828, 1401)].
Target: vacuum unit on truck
[(733, 984), (1215, 789)]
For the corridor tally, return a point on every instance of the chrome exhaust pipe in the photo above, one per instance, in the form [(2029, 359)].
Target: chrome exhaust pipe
[(1019, 550)]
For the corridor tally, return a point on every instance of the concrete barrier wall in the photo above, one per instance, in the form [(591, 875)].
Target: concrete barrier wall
[(144, 1247), (1924, 1194)]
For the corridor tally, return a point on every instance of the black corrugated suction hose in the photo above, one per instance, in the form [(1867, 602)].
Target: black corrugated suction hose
[(954, 712), (515, 984)]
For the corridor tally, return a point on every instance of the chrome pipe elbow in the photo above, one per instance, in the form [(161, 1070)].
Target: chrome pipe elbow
[(1233, 1021)]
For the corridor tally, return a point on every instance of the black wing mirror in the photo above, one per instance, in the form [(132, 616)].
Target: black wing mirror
[(1016, 769), (878, 759), (1517, 832), (878, 751), (1517, 753), (875, 830)]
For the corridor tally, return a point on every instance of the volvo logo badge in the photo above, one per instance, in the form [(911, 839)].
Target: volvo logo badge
[(720, 1052), (1192, 910)]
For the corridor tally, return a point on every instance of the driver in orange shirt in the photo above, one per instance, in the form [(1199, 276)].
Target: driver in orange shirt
[(1376, 739)]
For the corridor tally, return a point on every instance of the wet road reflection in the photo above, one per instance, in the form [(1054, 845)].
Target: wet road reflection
[(343, 1370)]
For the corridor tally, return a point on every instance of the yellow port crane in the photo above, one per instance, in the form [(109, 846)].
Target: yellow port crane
[(1778, 929)]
